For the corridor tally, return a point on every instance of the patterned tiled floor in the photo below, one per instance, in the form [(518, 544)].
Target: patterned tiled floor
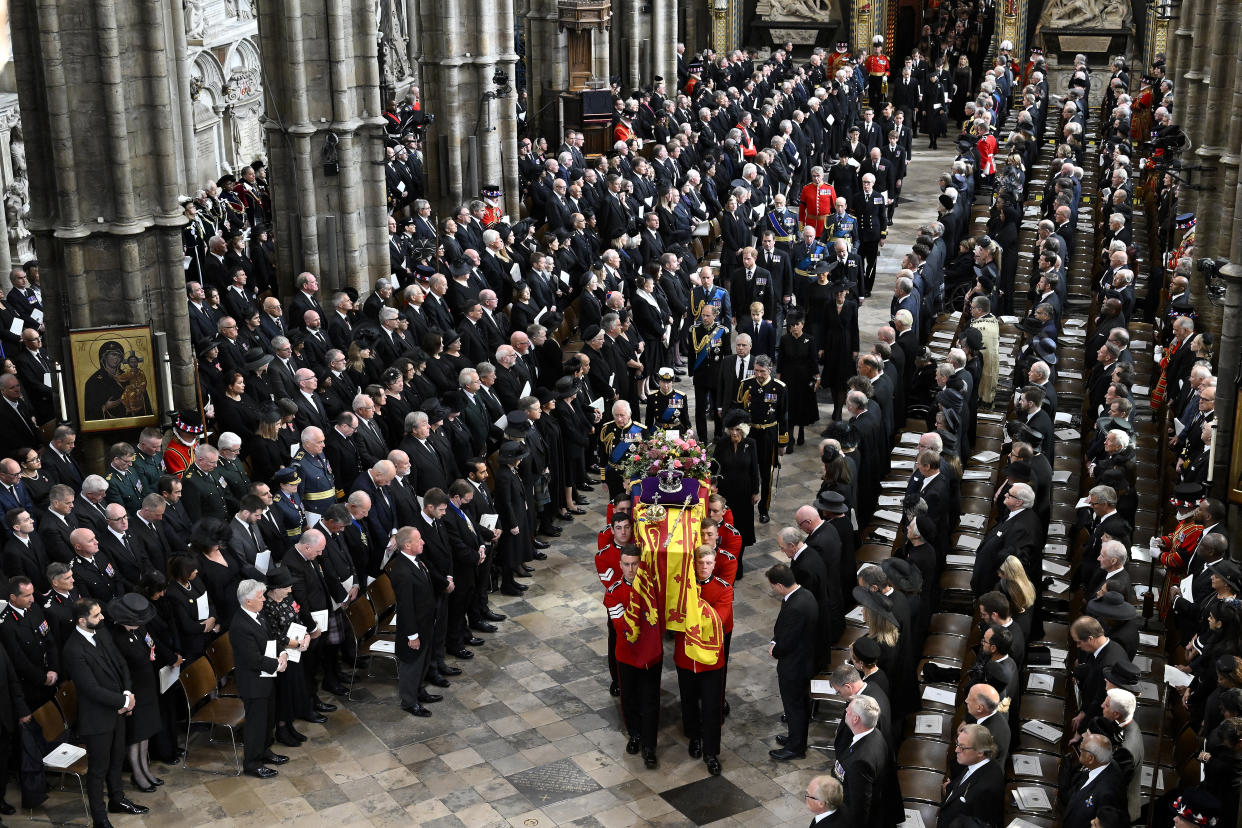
[(528, 735)]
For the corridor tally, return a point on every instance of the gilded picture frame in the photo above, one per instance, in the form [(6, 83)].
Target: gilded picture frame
[(114, 377)]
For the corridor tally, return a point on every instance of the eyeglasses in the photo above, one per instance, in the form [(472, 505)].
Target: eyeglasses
[(813, 798), (960, 746)]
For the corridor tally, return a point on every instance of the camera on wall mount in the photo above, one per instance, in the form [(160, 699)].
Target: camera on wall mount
[(500, 79)]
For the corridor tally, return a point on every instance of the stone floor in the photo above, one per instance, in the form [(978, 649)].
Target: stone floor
[(528, 735)]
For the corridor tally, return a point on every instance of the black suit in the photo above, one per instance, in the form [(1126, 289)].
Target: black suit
[(1020, 535), (1089, 672), (55, 531), (18, 427), (825, 541), (813, 577), (249, 639), (416, 616), (1083, 800), (795, 635), (979, 797), (370, 442), (870, 782), (29, 559), (998, 725), (32, 367), (101, 677)]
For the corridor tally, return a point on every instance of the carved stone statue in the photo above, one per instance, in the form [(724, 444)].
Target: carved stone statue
[(17, 199), (1086, 14), (815, 11), (394, 42), (241, 9), (195, 19)]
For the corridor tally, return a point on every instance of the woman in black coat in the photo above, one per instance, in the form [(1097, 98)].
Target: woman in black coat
[(649, 320), (962, 89), (293, 699), (837, 342), (797, 366), (932, 107), (736, 475), (128, 615), (182, 601), (163, 630), (514, 547), (1003, 224), (235, 412), (735, 236), (266, 452)]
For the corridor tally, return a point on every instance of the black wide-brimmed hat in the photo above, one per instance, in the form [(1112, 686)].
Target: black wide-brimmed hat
[(131, 610), (875, 602)]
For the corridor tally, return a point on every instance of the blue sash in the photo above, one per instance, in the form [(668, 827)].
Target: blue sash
[(622, 447)]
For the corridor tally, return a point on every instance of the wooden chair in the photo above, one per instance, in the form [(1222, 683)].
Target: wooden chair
[(1049, 768), (929, 812), (365, 628), (951, 623), (384, 603), (198, 680), (923, 754), (220, 654), (921, 785), (52, 724)]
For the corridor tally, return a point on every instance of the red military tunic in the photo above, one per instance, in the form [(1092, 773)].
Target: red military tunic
[(877, 65), (622, 132), (726, 553), (492, 215), (816, 206), (987, 154), (178, 457), (719, 594), (640, 653), (747, 143), (608, 564), (835, 61)]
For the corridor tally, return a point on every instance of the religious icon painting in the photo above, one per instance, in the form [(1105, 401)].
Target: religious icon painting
[(114, 377)]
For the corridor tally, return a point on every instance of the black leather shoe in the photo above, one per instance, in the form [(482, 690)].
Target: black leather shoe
[(540, 556), (286, 738), (513, 590), (6, 808), (156, 781), (726, 710), (261, 772), (538, 544), (449, 671), (324, 707), (524, 572), (581, 501), (417, 710), (483, 627), (274, 758), (124, 806), (696, 748), (585, 487), (713, 765), (463, 653), (614, 690), (429, 698), (565, 517), (133, 783), (632, 746), (336, 689), (297, 734), (649, 758), (784, 719), (781, 738), (488, 615), (764, 518), (785, 754), (577, 511), (315, 718), (475, 641), (550, 531)]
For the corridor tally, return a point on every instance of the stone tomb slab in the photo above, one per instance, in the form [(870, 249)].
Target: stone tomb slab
[(710, 800), (553, 782)]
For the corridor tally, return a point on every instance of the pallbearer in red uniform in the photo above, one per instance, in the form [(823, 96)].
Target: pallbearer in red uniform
[(877, 73), (702, 685), (817, 199), (638, 665), (608, 566), (187, 429)]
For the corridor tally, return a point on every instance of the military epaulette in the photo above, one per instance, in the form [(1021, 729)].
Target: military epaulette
[(301, 454), (781, 383), (722, 581), (615, 585), (726, 553)]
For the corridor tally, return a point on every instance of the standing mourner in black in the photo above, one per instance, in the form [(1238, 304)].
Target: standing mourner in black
[(793, 647), (737, 474), (255, 674), (97, 670), (798, 368), (129, 615)]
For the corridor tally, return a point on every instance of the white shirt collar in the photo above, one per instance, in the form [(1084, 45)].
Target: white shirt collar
[(858, 736), (89, 635)]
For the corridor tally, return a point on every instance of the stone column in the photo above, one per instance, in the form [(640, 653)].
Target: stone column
[(94, 80), (322, 81), (1215, 131), (1179, 43), (506, 111), (1226, 392)]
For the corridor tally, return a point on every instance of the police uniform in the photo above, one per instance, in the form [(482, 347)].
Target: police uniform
[(769, 418), (31, 645), (207, 494), (843, 226), (96, 578), (709, 346), (317, 489), (617, 444), (126, 488)]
